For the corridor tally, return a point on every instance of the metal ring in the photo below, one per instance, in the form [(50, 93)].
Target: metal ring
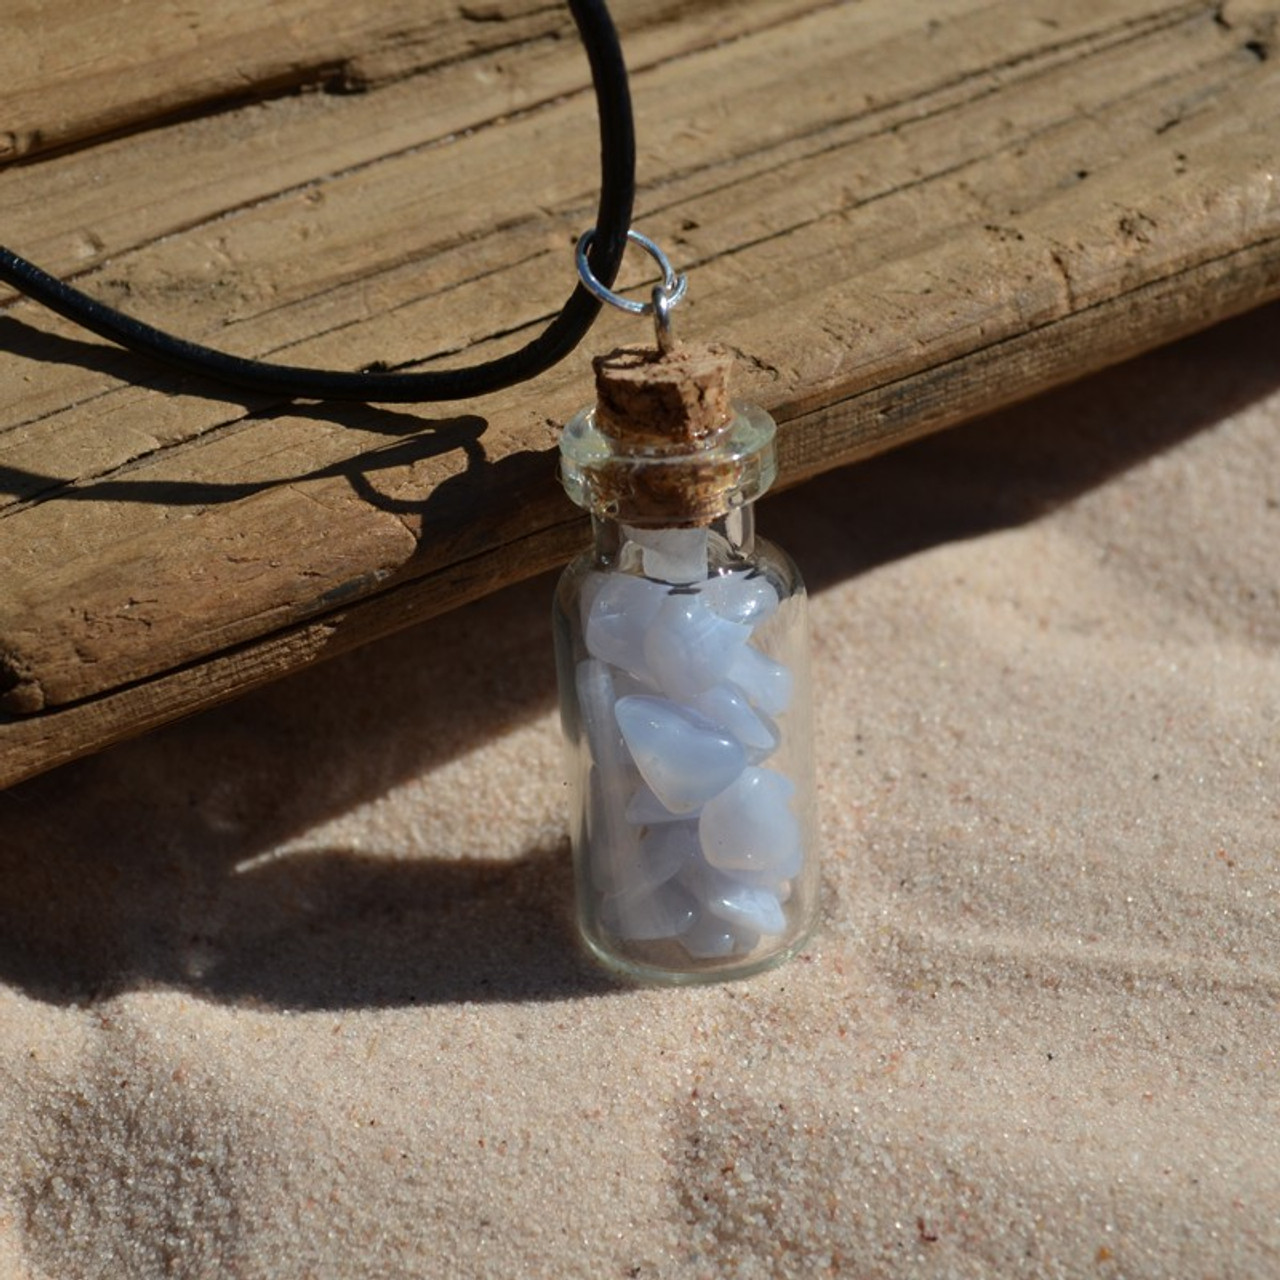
[(673, 286)]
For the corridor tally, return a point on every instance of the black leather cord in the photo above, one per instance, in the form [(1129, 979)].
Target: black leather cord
[(617, 193)]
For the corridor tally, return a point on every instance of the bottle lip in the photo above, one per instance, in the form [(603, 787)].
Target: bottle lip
[(689, 484)]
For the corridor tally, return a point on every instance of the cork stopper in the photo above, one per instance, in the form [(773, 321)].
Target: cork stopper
[(650, 398), (663, 446)]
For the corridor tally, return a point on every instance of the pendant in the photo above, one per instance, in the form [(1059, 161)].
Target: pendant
[(683, 667)]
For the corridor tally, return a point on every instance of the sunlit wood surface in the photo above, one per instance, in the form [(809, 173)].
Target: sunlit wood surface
[(901, 214)]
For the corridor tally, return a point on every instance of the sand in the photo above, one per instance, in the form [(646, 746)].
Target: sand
[(290, 989)]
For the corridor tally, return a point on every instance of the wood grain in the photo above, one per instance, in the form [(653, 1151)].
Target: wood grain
[(897, 217), (75, 70)]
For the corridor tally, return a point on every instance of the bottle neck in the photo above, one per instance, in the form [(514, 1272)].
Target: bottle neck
[(683, 484), (674, 554)]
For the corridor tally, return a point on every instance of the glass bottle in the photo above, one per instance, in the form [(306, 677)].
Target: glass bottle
[(682, 657)]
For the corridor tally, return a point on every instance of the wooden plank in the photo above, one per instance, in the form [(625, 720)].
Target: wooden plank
[(927, 402), (75, 70), (893, 241)]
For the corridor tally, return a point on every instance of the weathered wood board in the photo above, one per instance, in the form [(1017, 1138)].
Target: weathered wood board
[(899, 213)]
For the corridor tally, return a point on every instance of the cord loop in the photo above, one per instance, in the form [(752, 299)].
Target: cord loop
[(293, 382)]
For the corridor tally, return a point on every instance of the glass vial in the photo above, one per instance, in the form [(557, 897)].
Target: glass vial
[(682, 655)]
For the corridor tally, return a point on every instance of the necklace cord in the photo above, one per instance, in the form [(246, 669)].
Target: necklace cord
[(566, 330)]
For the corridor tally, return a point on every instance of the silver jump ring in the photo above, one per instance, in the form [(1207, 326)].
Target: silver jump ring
[(673, 286)]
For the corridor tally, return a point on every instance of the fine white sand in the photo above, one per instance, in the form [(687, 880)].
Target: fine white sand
[(290, 990)]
